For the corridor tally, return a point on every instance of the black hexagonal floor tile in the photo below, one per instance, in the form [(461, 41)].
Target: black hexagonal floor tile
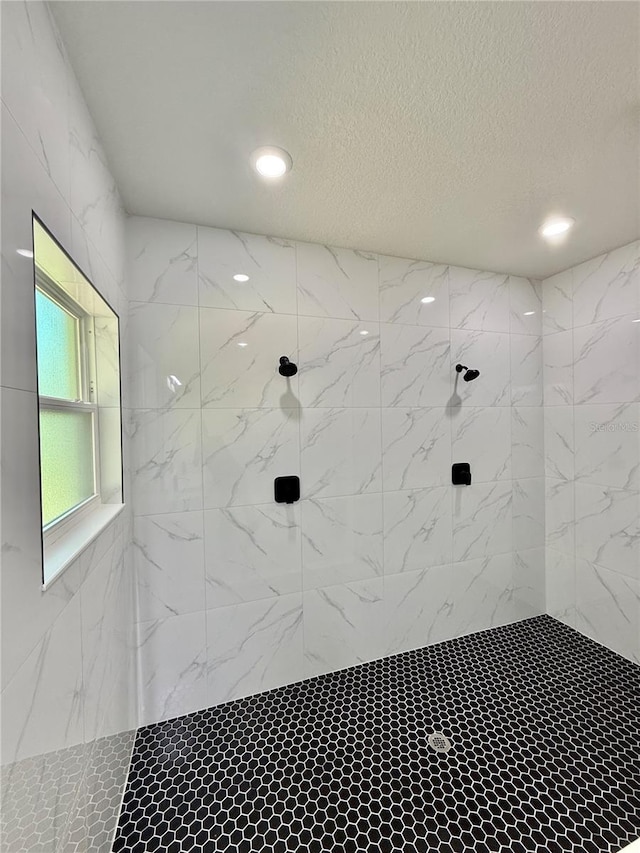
[(544, 731)]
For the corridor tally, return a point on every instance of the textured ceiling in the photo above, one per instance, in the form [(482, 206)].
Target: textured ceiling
[(444, 131)]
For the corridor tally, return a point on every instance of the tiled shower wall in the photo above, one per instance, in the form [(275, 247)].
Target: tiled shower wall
[(592, 447), (67, 681), (236, 593)]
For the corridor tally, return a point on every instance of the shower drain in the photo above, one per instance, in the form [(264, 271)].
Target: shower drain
[(439, 742)]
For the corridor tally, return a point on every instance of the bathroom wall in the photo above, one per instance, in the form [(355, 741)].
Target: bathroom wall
[(236, 593), (592, 447), (68, 703)]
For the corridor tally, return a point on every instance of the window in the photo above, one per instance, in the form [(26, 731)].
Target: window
[(68, 422), (78, 393)]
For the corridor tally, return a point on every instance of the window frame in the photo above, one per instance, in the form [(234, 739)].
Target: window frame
[(85, 343), (72, 536)]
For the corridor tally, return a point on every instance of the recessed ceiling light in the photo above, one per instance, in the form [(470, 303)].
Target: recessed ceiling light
[(364, 332), (243, 344), (26, 253), (427, 299), (529, 313), (240, 277), (271, 162), (636, 321), (557, 226)]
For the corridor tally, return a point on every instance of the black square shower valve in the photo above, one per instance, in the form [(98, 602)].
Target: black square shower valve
[(461, 474), (286, 490)]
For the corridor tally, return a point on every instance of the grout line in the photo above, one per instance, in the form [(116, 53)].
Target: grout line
[(300, 434), (201, 511), (573, 457), (382, 466)]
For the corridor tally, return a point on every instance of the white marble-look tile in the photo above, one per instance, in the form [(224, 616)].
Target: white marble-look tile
[(254, 647), (166, 460), (162, 261), (94, 197), (27, 613), (269, 262), (403, 286), (340, 452), (168, 553), (107, 338), (99, 600), (527, 441), (607, 286), (607, 607), (528, 513), (529, 581), (252, 552), (560, 517), (607, 450), (607, 362), (608, 527), (482, 437), (412, 602), (558, 369), (526, 370), (481, 520), (244, 450), (240, 355), (436, 604), (86, 256), (415, 366), (126, 346), (25, 186), (560, 585), (525, 300), (164, 361), (557, 302), (487, 592), (35, 84), (339, 362), (489, 353), (342, 540), (417, 529), (110, 452), (121, 711), (416, 448), (172, 661), (479, 300), (98, 549), (42, 705), (559, 447), (339, 283), (342, 625)]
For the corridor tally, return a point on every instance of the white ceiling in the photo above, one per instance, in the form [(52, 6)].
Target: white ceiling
[(439, 130)]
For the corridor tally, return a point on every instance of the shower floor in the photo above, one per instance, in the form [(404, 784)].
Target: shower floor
[(544, 728)]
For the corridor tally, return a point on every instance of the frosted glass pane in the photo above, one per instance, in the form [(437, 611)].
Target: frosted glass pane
[(66, 461), (57, 330)]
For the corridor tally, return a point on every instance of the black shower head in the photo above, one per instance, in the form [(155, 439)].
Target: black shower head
[(287, 368), (470, 375)]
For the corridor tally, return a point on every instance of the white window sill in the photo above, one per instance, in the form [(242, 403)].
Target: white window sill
[(59, 554)]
